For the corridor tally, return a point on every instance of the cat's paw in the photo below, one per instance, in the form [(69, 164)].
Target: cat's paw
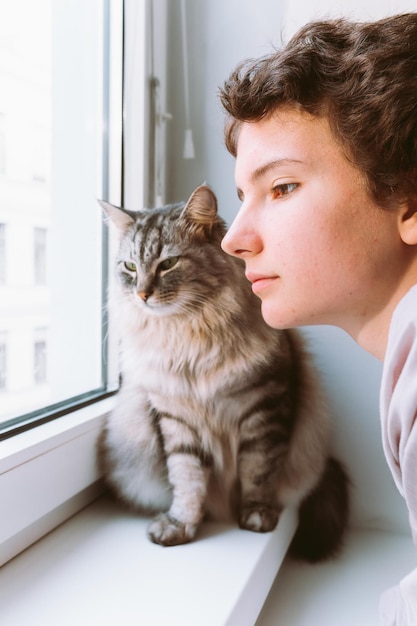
[(258, 518), (167, 531)]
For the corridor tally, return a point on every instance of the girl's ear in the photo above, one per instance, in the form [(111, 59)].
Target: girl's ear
[(408, 222), (120, 217)]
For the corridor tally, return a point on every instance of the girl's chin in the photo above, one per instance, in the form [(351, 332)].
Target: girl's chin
[(277, 318)]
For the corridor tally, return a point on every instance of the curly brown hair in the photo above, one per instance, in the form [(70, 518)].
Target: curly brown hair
[(361, 76)]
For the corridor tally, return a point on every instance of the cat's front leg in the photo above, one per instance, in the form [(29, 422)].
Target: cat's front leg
[(259, 517), (188, 471), (259, 466)]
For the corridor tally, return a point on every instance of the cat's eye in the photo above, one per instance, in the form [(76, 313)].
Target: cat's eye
[(168, 263), (130, 266)]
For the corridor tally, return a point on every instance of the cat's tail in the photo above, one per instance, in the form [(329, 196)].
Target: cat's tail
[(323, 516)]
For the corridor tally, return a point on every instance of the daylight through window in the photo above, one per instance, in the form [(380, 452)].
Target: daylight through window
[(53, 88)]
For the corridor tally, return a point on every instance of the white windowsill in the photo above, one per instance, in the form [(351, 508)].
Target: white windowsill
[(343, 591), (46, 475), (99, 569)]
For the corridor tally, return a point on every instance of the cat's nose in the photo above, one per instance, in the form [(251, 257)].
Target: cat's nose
[(144, 295)]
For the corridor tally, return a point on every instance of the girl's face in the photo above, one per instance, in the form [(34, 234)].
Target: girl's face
[(317, 248)]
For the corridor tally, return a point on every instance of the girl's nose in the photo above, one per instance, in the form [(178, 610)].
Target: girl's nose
[(242, 239)]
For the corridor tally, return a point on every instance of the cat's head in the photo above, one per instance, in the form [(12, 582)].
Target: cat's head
[(169, 260)]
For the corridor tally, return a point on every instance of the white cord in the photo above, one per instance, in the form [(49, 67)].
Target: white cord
[(188, 152)]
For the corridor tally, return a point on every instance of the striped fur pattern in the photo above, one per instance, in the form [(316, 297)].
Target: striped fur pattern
[(218, 414)]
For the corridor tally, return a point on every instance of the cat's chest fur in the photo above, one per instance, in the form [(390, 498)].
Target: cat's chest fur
[(180, 370)]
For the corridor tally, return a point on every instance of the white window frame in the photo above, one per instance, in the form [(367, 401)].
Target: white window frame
[(49, 473)]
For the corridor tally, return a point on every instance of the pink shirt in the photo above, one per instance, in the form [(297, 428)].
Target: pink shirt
[(398, 404)]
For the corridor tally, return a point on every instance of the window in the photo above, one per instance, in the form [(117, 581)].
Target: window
[(40, 255), (2, 151), (3, 361), (53, 465), (40, 357), (2, 254), (60, 89)]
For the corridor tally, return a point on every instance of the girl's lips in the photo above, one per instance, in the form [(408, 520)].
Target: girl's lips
[(260, 282)]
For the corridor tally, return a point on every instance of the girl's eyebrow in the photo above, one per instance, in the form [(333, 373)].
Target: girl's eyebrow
[(260, 171), (264, 169)]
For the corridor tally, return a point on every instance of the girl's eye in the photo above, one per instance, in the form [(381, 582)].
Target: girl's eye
[(168, 263), (130, 266), (284, 189)]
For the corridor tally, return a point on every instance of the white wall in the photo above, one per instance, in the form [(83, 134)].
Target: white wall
[(220, 34)]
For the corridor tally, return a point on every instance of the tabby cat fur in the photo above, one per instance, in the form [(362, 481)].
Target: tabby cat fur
[(218, 414)]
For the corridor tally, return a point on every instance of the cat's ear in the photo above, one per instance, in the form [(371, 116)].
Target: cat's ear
[(121, 218), (201, 210)]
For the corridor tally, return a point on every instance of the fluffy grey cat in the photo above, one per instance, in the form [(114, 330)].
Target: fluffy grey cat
[(218, 414)]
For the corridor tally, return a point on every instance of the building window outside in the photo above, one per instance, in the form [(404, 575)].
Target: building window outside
[(40, 243), (2, 254), (40, 360), (2, 152), (3, 362)]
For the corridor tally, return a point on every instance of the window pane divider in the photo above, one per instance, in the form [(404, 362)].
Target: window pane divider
[(23, 423)]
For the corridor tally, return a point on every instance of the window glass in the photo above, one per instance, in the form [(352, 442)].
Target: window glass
[(53, 82)]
